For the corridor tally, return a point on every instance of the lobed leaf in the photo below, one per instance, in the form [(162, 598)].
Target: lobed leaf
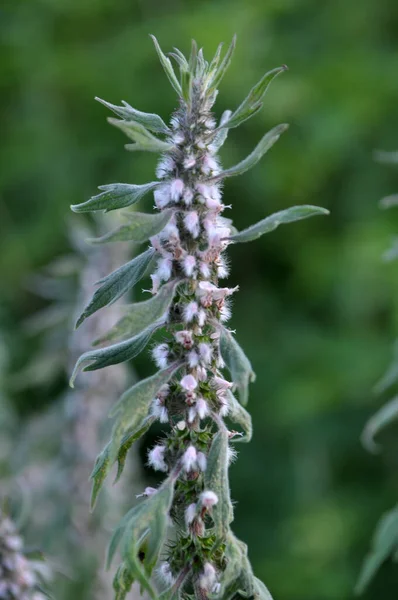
[(238, 364), (141, 228), (167, 66), (295, 213), (117, 283), (115, 354), (385, 543), (216, 479), (150, 121), (262, 147), (253, 102), (381, 419), (142, 314), (142, 138), (132, 413), (239, 415), (114, 196)]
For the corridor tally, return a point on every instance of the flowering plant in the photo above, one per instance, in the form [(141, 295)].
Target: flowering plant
[(190, 393)]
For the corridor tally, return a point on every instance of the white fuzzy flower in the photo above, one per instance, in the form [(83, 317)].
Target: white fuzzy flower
[(231, 455), (208, 499), (190, 311), (208, 578), (189, 264), (193, 359), (165, 574), (149, 491), (156, 458), (222, 268), (178, 138), (225, 312), (221, 384), (192, 414), (187, 196), (201, 317), (201, 461), (189, 459), (164, 268), (176, 189), (224, 405), (189, 162), (160, 355), (162, 196), (204, 269), (155, 283), (190, 513), (205, 352), (191, 222), (201, 373), (189, 383), (210, 165), (170, 233), (202, 408), (184, 338)]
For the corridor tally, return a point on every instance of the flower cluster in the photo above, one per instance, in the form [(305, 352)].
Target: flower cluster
[(20, 577), (191, 395)]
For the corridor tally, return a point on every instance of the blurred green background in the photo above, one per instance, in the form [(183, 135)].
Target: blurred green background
[(317, 310)]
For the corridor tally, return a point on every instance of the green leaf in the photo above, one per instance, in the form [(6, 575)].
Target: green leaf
[(113, 355), (141, 227), (216, 479), (142, 138), (295, 213), (114, 196), (143, 531), (383, 417), (222, 133), (261, 592), (132, 420), (237, 363), (385, 542), (262, 147), (168, 67), (253, 102), (239, 415), (223, 66), (141, 314), (128, 440), (122, 582), (386, 157), (150, 121), (392, 252), (117, 283)]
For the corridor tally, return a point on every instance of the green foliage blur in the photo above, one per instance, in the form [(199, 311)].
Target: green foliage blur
[(317, 311)]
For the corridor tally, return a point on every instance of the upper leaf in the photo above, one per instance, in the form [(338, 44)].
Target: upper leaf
[(114, 196), (142, 138), (220, 69), (222, 133), (262, 147), (113, 355), (142, 226), (391, 376), (117, 283), (238, 364), (253, 102), (383, 417), (141, 315), (216, 479), (168, 67), (386, 157), (389, 201), (295, 213), (150, 121)]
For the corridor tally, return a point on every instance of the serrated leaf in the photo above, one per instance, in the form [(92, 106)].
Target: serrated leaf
[(142, 226), (142, 138), (223, 66), (381, 419), (128, 440), (167, 66), (237, 363), (262, 147), (144, 529), (141, 314), (115, 354), (117, 283), (253, 102), (115, 196), (239, 415), (385, 542), (295, 213), (132, 413), (216, 479), (222, 133), (150, 121)]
